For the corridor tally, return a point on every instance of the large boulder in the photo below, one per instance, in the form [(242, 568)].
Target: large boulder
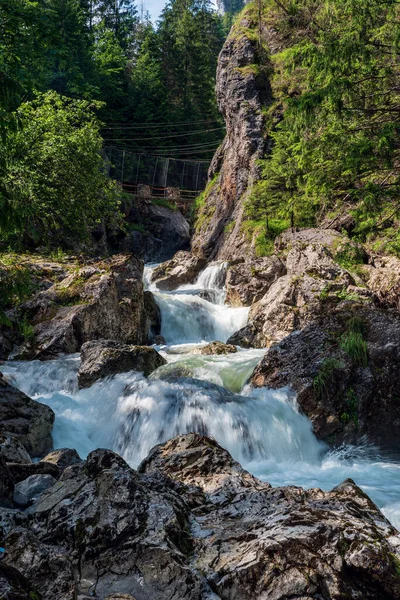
[(62, 458), (101, 300), (182, 268), (14, 586), (300, 296), (29, 421), (158, 232), (345, 368), (102, 358), (192, 524), (29, 490), (248, 282), (12, 450)]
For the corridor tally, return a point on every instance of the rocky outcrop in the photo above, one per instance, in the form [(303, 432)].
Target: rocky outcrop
[(101, 300), (184, 267), (215, 348), (241, 94), (102, 358), (28, 421), (29, 490), (62, 458), (12, 450), (345, 368), (383, 278), (192, 524), (248, 282), (299, 297), (157, 233)]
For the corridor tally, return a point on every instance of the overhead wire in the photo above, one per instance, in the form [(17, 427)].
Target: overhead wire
[(159, 125), (198, 132)]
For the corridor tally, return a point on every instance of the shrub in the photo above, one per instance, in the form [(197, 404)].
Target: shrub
[(353, 343), (329, 369)]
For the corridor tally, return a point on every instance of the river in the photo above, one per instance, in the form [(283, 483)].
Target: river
[(263, 429)]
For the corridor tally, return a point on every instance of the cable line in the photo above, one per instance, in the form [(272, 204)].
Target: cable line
[(157, 126), (198, 132)]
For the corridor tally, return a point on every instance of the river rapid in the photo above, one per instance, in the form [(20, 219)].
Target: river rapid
[(263, 429)]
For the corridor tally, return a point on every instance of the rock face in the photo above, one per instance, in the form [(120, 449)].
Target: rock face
[(103, 300), (241, 94), (296, 299), (383, 278), (193, 525), (25, 492), (182, 268), (28, 421), (161, 232), (63, 458), (12, 450), (248, 282), (101, 358), (345, 368)]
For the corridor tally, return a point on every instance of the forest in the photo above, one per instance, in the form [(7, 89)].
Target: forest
[(76, 75)]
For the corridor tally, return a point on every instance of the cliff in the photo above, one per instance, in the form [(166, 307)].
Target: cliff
[(243, 92)]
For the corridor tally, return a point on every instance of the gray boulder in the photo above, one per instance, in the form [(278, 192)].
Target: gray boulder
[(101, 300), (28, 490), (12, 450), (28, 421), (184, 267), (161, 234), (193, 525), (215, 348), (102, 358), (62, 458), (248, 282)]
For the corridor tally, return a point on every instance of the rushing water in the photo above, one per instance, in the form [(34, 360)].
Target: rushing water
[(263, 429)]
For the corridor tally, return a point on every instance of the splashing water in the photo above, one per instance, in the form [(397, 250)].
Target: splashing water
[(262, 429)]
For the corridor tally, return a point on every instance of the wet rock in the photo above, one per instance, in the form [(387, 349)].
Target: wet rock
[(215, 348), (20, 472), (28, 421), (182, 268), (248, 282), (62, 458), (193, 524), (246, 337), (101, 300), (28, 490), (102, 358), (6, 484), (12, 450), (165, 231), (347, 392), (14, 586), (153, 317)]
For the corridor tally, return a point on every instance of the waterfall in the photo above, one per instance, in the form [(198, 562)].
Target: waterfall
[(262, 429)]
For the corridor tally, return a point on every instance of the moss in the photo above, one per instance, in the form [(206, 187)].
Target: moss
[(165, 203), (202, 212), (350, 413)]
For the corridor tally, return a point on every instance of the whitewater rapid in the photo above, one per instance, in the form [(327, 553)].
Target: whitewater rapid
[(262, 429)]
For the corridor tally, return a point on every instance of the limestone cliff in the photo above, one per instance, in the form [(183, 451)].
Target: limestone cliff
[(243, 92)]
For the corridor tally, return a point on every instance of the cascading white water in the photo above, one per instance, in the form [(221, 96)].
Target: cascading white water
[(187, 317), (263, 429)]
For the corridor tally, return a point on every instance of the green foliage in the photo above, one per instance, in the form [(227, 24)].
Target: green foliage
[(351, 408), (264, 233), (329, 370), (348, 255), (201, 211), (334, 84), (164, 202), (53, 187), (353, 343), (15, 285)]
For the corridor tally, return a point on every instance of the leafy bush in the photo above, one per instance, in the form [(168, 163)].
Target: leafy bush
[(53, 185)]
